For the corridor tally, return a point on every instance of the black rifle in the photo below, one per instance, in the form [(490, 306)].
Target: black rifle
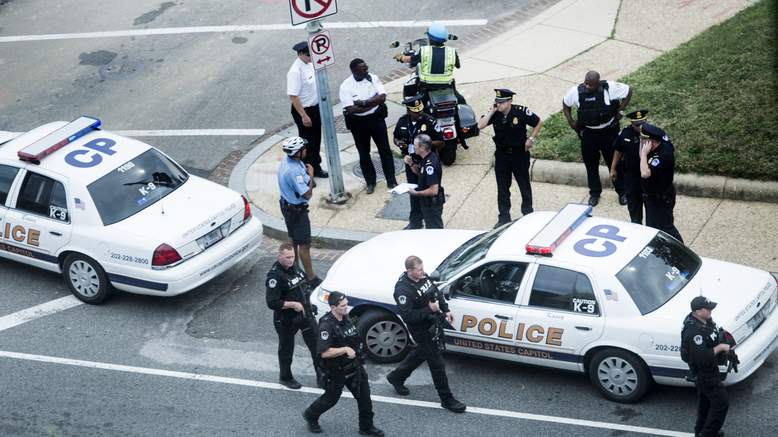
[(730, 358), (437, 329), (309, 311)]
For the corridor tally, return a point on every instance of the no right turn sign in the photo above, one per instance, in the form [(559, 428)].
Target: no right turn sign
[(303, 11)]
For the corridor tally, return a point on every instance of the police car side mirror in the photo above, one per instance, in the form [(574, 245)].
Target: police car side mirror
[(452, 37), (394, 44), (435, 276)]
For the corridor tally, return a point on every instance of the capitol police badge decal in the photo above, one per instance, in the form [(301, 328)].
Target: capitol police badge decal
[(698, 340)]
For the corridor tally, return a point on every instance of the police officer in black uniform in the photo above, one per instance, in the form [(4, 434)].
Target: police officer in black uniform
[(626, 163), (413, 123), (288, 296), (512, 154), (600, 106), (429, 190), (701, 351), (341, 354), (423, 308), (657, 164)]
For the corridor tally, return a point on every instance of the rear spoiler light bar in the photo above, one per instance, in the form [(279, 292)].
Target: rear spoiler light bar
[(561, 225), (58, 139)]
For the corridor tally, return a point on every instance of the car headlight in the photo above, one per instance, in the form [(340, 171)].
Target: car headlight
[(323, 295)]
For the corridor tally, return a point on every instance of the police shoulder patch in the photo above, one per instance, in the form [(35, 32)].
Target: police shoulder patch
[(299, 178), (654, 162), (272, 283), (528, 112), (430, 170), (402, 300), (698, 340), (325, 335)]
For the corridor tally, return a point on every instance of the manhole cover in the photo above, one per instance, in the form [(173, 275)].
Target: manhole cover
[(120, 70), (357, 170), (396, 208)]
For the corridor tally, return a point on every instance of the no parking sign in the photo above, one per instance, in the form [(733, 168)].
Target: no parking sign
[(320, 45)]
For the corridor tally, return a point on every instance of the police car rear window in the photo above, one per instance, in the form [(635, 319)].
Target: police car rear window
[(658, 272), (135, 185)]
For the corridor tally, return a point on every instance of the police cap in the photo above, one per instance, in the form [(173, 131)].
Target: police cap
[(301, 46), (413, 103), (701, 302), (335, 297), (502, 94), (637, 116), (653, 132)]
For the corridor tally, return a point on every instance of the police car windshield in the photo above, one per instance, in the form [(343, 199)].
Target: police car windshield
[(471, 251), (135, 185), (658, 272)]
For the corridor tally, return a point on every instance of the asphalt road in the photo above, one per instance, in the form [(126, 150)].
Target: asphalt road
[(222, 80), (223, 329)]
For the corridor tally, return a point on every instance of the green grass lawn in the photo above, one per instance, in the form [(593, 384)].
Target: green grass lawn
[(714, 95)]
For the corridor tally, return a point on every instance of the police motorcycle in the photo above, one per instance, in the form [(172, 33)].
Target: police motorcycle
[(456, 121)]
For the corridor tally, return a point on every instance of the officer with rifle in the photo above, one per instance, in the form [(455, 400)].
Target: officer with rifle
[(340, 347), (704, 347), (424, 310), (288, 296)]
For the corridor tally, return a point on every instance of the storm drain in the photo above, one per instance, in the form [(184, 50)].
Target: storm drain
[(357, 170)]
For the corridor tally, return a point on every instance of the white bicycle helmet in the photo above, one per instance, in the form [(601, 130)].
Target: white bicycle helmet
[(292, 145)]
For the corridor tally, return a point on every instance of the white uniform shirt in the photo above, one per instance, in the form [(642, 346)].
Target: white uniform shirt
[(351, 90), (301, 82), (615, 91)]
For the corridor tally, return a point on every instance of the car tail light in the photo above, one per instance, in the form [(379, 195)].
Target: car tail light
[(246, 209), (448, 133), (164, 255)]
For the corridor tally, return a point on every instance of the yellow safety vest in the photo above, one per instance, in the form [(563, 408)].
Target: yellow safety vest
[(439, 76)]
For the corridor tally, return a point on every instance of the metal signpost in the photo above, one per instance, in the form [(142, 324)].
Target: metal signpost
[(322, 56)]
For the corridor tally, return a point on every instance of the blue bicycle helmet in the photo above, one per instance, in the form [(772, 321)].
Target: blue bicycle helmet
[(437, 33)]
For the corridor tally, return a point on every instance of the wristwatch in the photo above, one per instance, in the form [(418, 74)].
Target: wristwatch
[(531, 139)]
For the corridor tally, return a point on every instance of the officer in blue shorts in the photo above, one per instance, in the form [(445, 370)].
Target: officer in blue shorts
[(295, 182)]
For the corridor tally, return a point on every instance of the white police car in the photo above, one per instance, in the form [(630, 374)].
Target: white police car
[(106, 210), (564, 290)]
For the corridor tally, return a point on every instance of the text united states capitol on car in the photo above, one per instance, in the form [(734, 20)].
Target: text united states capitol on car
[(108, 211), (563, 290)]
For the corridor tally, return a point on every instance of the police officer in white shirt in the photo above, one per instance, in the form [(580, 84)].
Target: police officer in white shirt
[(362, 96), (600, 106), (302, 92)]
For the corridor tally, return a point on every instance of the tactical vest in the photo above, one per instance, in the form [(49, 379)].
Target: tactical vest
[(437, 65), (593, 110)]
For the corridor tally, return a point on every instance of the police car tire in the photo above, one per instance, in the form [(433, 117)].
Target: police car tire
[(77, 264), (377, 326), (448, 153), (610, 370)]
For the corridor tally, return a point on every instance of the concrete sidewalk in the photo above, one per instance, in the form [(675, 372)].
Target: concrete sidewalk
[(540, 59)]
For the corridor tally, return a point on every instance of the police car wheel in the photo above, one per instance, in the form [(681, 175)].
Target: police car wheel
[(619, 375), (386, 339), (86, 279)]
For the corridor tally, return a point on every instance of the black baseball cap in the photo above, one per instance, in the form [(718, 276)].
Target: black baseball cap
[(701, 302), (335, 297)]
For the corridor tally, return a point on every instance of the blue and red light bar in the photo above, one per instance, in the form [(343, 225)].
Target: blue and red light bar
[(58, 139), (561, 225)]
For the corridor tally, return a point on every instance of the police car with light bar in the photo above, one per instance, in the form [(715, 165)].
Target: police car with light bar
[(109, 211), (565, 290)]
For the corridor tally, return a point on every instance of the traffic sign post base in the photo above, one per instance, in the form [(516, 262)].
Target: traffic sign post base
[(339, 200)]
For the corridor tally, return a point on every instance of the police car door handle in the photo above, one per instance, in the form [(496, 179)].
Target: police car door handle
[(500, 316), (583, 328), (55, 233), (29, 218)]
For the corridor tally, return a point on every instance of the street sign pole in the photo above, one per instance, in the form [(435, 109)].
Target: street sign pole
[(338, 193)]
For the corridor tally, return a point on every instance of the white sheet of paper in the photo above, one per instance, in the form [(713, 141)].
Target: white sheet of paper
[(403, 188)]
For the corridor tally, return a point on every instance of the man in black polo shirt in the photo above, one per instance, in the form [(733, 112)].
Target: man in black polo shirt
[(429, 189), (512, 154), (413, 123), (627, 147), (657, 165)]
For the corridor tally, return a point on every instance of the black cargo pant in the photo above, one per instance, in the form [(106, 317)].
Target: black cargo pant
[(659, 212), (363, 129), (425, 350), (358, 386), (596, 142), (286, 332), (432, 210), (634, 194), (311, 134), (712, 406), (415, 218), (512, 163)]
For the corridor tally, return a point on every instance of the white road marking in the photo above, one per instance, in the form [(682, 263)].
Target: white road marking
[(234, 28), (311, 390), (38, 311), (191, 132)]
